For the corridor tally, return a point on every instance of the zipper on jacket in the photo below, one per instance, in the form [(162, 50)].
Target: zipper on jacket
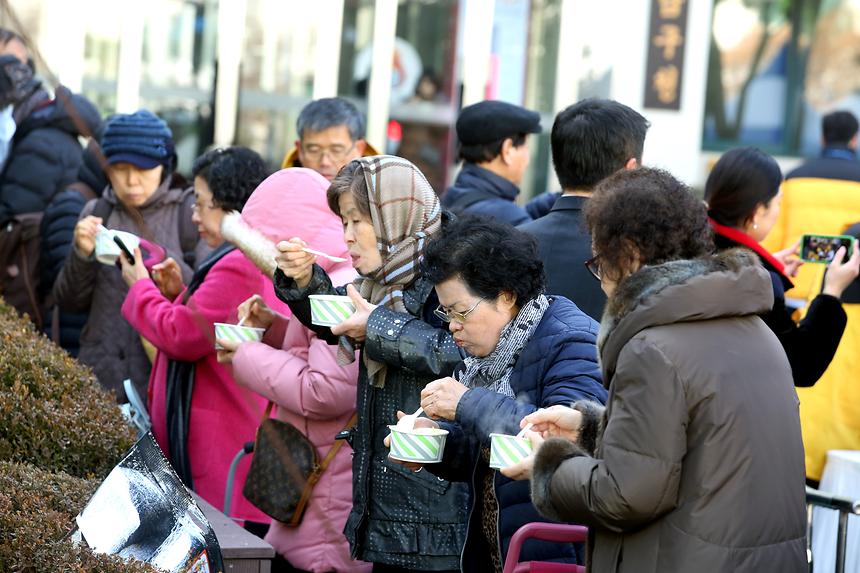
[(469, 518), (498, 518), (361, 521)]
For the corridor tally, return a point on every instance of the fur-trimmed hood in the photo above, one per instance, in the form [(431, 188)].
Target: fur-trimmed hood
[(731, 283)]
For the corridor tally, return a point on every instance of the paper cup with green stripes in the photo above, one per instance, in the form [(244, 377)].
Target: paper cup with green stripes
[(237, 333), (329, 309), (508, 450), (422, 445)]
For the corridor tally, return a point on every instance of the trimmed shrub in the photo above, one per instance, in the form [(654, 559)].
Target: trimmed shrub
[(53, 412), (37, 511), (60, 435)]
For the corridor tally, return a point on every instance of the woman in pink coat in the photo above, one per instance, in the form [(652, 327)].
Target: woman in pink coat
[(300, 373), (200, 417)]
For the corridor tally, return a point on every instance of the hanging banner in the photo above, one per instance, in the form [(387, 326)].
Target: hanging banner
[(667, 37)]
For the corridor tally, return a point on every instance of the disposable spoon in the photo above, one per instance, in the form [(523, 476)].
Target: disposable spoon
[(408, 422), (522, 433), (332, 258)]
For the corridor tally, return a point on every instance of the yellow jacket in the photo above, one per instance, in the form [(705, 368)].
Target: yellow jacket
[(812, 206), (291, 159), (830, 410)]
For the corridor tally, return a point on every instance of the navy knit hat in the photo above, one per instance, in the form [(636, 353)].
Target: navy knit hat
[(141, 138)]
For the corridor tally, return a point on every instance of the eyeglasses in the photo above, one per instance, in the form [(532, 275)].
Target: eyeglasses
[(593, 266), (448, 315), (336, 152), (198, 207)]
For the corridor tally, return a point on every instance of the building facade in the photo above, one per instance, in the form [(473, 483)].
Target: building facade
[(708, 74)]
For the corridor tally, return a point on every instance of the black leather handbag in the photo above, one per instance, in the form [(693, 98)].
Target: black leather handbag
[(284, 470)]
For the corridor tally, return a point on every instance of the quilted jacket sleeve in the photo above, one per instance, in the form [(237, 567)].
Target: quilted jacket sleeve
[(73, 288), (404, 341), (58, 227), (304, 377), (39, 165), (566, 372)]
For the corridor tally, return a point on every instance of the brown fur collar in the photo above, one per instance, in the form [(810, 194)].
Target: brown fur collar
[(736, 270)]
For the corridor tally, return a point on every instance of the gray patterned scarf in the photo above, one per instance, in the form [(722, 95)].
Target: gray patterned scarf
[(494, 370)]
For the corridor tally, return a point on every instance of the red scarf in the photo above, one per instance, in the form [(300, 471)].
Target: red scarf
[(745, 240)]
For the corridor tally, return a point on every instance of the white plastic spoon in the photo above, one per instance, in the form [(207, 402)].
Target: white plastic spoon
[(407, 422), (522, 433), (332, 258)]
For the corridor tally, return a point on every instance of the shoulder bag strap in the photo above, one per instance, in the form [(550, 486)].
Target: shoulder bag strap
[(102, 209), (317, 474)]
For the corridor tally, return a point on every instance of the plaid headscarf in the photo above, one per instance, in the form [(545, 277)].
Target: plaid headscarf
[(406, 213)]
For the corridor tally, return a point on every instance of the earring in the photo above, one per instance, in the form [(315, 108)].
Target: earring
[(755, 226)]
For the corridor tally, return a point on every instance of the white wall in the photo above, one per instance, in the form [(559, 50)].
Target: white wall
[(674, 141)]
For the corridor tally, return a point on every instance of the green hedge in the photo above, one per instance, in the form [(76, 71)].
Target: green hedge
[(60, 435), (53, 414)]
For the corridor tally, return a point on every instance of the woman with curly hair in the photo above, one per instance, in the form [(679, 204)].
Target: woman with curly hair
[(743, 199), (696, 462), (524, 351), (200, 416)]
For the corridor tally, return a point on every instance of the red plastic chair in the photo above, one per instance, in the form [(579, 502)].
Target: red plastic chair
[(557, 532)]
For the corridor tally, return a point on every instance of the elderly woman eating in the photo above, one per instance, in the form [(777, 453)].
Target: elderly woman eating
[(525, 351)]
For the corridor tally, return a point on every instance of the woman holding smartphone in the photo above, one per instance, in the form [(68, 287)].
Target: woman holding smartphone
[(743, 196), (200, 417)]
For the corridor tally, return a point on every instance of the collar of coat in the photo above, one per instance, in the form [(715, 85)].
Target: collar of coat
[(740, 238), (731, 283)]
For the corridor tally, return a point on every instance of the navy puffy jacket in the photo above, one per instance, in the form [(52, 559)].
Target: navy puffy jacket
[(478, 191), (557, 366)]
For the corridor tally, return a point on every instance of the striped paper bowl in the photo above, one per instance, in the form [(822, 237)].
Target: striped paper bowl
[(422, 445), (329, 309), (508, 450), (237, 333)]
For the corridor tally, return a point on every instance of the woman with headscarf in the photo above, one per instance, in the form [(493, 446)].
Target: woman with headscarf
[(400, 520)]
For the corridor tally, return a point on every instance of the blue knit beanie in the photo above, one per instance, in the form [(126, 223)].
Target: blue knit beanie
[(141, 138)]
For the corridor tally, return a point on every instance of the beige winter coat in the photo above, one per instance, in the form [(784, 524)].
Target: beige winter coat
[(698, 462)]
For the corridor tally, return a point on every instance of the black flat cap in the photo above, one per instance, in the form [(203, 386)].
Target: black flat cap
[(489, 121)]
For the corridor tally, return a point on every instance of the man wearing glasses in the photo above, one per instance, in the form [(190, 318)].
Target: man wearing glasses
[(331, 134)]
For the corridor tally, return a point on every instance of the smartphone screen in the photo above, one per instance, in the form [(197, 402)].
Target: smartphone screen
[(822, 248)]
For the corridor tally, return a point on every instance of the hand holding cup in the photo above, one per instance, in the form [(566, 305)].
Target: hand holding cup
[(85, 235), (255, 312), (419, 423), (555, 422)]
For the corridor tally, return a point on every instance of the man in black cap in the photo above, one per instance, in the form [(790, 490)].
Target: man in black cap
[(495, 155)]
